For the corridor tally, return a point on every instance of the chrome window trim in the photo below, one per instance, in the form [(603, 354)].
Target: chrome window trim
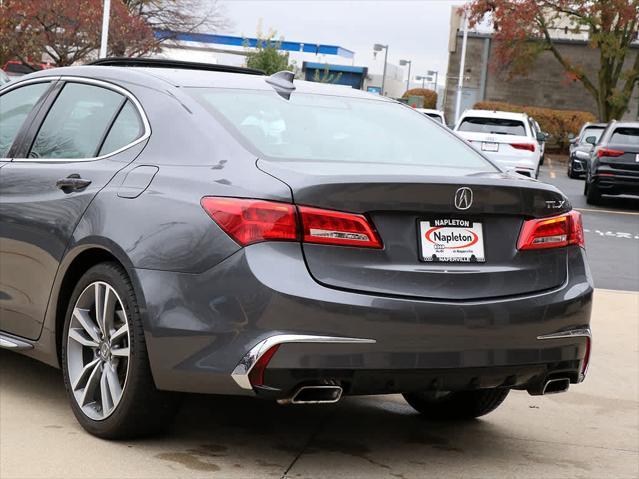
[(109, 86), (244, 367), (20, 83)]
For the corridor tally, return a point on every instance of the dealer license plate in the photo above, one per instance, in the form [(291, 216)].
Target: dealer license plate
[(487, 146), (451, 240)]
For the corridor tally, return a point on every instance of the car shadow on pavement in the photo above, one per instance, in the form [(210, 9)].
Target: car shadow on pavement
[(217, 433)]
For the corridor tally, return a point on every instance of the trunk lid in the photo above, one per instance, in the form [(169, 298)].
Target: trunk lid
[(395, 198)]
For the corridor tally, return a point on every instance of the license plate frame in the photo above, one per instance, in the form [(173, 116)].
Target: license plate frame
[(451, 243), (489, 146)]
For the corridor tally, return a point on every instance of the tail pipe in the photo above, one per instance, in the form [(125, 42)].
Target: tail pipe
[(322, 394), (550, 386)]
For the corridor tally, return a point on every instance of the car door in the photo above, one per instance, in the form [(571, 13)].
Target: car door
[(81, 137)]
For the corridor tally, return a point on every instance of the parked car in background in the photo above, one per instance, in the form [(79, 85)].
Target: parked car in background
[(173, 227), (506, 138), (613, 166), (581, 146), (434, 114), (536, 129), (17, 68)]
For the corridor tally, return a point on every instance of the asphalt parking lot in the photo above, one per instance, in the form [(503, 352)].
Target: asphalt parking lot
[(591, 432)]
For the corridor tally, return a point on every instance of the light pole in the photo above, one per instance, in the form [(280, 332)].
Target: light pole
[(104, 40), (404, 63), (462, 66), (378, 47), (422, 78), (432, 73)]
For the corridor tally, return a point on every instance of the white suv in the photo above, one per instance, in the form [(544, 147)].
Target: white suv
[(506, 138)]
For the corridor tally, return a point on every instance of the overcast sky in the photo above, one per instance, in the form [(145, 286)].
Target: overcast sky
[(415, 30)]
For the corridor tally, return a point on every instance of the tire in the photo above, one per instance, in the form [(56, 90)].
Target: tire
[(593, 195), (571, 173), (132, 407), (456, 405)]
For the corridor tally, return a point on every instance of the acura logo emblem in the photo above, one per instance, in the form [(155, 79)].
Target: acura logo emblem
[(463, 198)]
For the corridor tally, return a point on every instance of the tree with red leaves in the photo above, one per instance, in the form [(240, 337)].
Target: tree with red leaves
[(68, 30), (525, 28)]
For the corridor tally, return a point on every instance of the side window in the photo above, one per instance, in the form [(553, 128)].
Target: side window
[(126, 129), (15, 106), (77, 122)]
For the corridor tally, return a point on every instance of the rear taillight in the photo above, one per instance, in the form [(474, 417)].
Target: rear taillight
[(523, 146), (554, 232), (586, 361), (334, 227), (608, 152), (252, 221)]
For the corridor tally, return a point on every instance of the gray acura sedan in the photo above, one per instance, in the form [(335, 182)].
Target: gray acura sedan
[(170, 227)]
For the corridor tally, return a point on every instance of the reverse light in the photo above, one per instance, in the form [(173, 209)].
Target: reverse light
[(554, 232), (334, 227), (524, 146), (250, 221), (608, 152)]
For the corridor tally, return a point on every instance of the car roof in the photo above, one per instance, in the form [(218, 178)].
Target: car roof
[(625, 124), (597, 125), (186, 78), (507, 115)]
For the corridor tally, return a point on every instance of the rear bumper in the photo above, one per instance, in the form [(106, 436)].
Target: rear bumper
[(199, 329), (615, 181)]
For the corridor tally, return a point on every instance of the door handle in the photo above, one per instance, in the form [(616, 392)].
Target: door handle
[(72, 182)]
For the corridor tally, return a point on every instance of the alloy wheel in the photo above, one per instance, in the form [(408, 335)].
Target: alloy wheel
[(98, 349)]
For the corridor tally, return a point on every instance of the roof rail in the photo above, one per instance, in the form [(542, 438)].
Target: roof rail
[(162, 63)]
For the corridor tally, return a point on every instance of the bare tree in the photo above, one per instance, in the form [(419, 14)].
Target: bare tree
[(204, 16)]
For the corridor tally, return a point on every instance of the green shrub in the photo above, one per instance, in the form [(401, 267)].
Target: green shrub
[(430, 96), (559, 123)]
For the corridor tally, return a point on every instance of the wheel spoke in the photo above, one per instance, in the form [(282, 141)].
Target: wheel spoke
[(79, 335), (108, 312), (84, 374), (114, 383), (105, 398), (84, 318), (92, 384), (120, 352), (119, 334)]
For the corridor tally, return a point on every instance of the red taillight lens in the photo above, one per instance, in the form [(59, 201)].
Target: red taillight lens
[(251, 221), (552, 232), (523, 146), (608, 152), (334, 227), (256, 375)]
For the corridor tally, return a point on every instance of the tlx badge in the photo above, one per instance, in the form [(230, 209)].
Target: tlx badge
[(555, 204)]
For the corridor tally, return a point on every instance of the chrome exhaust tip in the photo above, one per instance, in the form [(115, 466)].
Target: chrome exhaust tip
[(324, 394), (555, 386)]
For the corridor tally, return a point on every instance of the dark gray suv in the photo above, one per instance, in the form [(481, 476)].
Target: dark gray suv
[(170, 227)]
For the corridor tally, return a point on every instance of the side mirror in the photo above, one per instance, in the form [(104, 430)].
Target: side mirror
[(592, 140), (541, 136), (571, 136)]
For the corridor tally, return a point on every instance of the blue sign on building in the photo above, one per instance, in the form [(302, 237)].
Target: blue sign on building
[(337, 74)]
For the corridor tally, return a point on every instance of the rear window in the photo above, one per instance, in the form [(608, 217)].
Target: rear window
[(333, 128), (595, 131), (494, 126), (625, 136)]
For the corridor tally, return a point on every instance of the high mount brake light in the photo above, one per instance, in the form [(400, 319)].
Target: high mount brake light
[(524, 146), (554, 232), (250, 221), (608, 152)]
